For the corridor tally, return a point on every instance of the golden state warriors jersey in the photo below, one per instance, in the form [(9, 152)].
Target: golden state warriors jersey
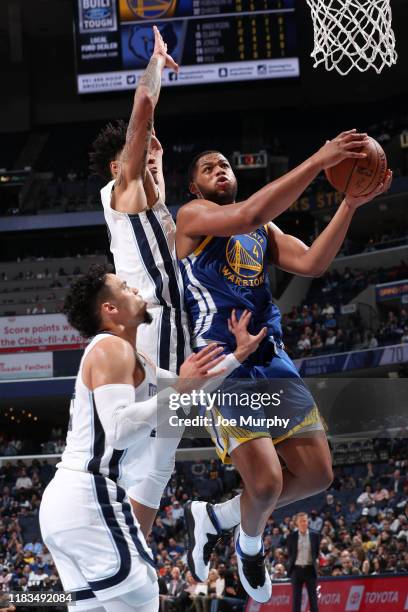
[(226, 273)]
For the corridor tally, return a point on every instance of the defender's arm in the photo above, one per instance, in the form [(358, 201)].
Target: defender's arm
[(132, 164)]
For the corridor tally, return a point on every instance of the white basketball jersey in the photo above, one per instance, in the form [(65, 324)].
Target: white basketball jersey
[(143, 246), (86, 449)]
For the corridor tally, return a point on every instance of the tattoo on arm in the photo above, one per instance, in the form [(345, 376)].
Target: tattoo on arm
[(151, 79)]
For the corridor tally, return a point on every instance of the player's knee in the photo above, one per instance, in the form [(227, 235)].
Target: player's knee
[(326, 476), (267, 487), (322, 477)]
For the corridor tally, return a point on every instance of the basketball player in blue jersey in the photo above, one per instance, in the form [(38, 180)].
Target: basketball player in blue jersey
[(223, 248), (85, 516)]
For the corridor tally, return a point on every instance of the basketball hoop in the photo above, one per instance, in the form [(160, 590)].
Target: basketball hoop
[(352, 34)]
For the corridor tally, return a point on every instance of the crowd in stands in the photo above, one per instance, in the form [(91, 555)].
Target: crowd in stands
[(307, 330), (340, 287), (321, 328), (362, 519), (25, 444), (36, 285), (313, 331), (376, 242)]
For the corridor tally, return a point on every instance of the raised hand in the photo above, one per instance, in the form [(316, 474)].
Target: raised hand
[(246, 342), (196, 368), (354, 202), (342, 147), (160, 49)]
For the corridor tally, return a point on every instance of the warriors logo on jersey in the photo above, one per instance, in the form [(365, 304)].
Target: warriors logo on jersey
[(225, 273), (245, 258)]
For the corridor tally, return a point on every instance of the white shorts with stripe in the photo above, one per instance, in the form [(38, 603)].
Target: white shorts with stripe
[(95, 540)]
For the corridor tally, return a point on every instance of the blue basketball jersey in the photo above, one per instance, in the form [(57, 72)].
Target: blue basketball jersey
[(226, 273)]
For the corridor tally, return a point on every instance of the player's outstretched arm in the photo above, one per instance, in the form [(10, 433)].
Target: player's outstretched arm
[(201, 217), (134, 156), (292, 255), (109, 372)]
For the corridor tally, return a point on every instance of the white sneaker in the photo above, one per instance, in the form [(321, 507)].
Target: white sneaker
[(203, 533), (252, 572)]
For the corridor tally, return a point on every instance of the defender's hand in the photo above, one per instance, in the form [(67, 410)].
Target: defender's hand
[(354, 203), (246, 342), (342, 147), (160, 48), (196, 368)]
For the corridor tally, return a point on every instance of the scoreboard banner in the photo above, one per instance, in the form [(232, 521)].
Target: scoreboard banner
[(386, 593), (38, 333), (212, 41)]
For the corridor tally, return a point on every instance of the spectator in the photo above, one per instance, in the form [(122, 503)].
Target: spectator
[(315, 521), (175, 589), (371, 341), (279, 572), (366, 498), (303, 550), (380, 494), (37, 578), (328, 310), (330, 339), (174, 549), (353, 513), (24, 481)]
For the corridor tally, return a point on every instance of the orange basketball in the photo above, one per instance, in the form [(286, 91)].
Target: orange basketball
[(360, 177)]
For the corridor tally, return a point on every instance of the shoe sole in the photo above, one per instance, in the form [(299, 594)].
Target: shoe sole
[(190, 525)]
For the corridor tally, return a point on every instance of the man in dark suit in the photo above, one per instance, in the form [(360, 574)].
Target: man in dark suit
[(303, 550), (174, 589)]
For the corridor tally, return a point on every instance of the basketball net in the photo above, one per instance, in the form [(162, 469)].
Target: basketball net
[(352, 34)]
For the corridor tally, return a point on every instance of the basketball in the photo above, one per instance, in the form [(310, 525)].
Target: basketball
[(360, 177)]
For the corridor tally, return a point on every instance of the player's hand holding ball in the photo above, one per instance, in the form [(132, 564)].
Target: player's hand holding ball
[(361, 178), (354, 202), (347, 145), (160, 49)]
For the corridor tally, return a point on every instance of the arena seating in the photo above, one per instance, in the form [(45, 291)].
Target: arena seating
[(38, 286), (317, 326), (363, 520)]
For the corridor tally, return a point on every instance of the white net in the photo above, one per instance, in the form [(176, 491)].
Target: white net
[(353, 34)]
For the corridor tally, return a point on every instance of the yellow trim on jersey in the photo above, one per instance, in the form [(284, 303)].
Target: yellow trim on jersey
[(202, 245)]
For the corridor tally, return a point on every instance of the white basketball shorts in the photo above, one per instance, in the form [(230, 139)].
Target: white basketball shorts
[(95, 540)]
